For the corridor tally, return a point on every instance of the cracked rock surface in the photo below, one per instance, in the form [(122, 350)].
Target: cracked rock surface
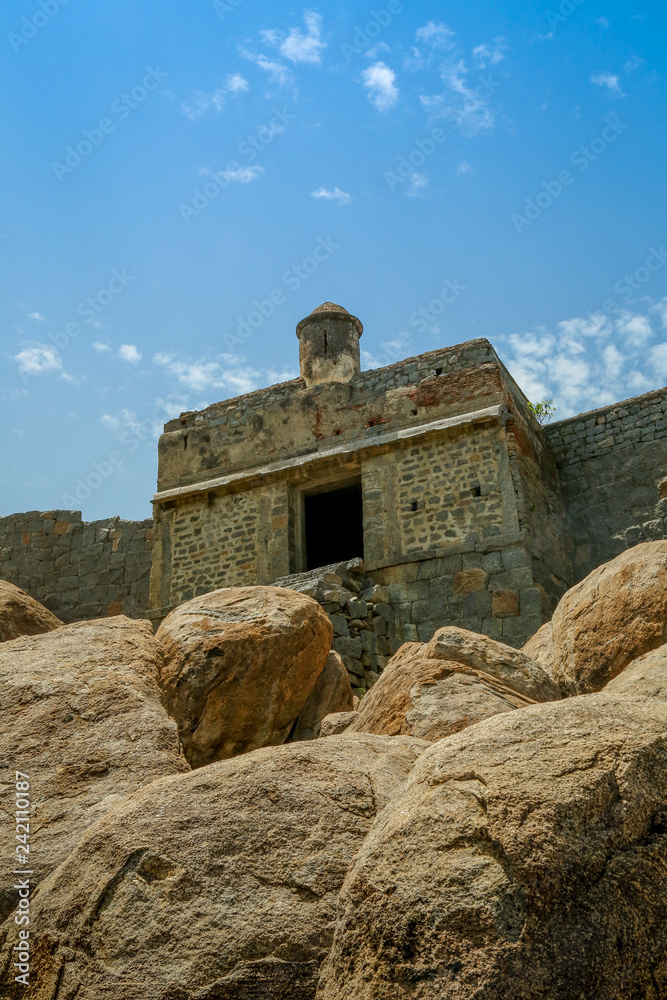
[(221, 883), (526, 857), (81, 715)]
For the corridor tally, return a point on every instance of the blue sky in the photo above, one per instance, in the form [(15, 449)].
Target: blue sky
[(169, 168)]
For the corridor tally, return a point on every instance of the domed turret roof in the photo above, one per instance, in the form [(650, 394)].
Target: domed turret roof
[(329, 307)]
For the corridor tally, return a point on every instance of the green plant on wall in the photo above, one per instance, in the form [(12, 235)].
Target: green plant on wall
[(543, 411)]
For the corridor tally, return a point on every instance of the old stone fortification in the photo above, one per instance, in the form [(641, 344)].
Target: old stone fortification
[(78, 570), (433, 471)]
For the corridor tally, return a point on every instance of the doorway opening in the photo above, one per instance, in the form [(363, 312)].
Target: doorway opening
[(334, 526)]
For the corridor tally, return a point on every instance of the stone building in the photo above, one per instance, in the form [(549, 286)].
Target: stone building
[(433, 471)]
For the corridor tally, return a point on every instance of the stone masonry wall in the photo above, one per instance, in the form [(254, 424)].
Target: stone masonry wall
[(78, 570), (612, 463)]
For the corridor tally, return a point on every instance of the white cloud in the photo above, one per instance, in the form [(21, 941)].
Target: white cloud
[(342, 197), (418, 184), (463, 168), (235, 83), (129, 353), (437, 35), (242, 175), (633, 63), (608, 80), (202, 102), (101, 348), (38, 360), (278, 72), (466, 108), (379, 80), (36, 316), (228, 373), (591, 360), (484, 55), (299, 46)]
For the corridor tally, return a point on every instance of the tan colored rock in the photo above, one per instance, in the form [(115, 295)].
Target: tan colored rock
[(81, 715), (21, 615), (645, 677), (525, 858), (540, 649), (222, 883), (239, 665), (618, 613), (332, 693), (336, 723), (509, 665), (419, 695)]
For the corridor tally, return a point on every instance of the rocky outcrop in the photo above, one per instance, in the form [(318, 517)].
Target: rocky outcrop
[(81, 716), (222, 883), (645, 677), (21, 615), (508, 665), (332, 693), (457, 679), (540, 649), (526, 858), (608, 620), (239, 665), (336, 723)]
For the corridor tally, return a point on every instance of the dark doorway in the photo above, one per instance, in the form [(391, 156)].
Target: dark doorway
[(334, 526)]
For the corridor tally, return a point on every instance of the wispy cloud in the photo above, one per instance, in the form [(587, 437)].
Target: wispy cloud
[(379, 81), (299, 46), (342, 197), (593, 360), (101, 348), (463, 168), (240, 175), (489, 55), (602, 21), (437, 35), (36, 316), (609, 80), (203, 102), (277, 71), (38, 360), (418, 184), (466, 107), (227, 373), (129, 353)]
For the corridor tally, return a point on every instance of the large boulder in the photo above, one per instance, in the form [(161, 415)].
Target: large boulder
[(21, 615), (526, 857), (239, 665), (540, 649), (459, 678), (332, 694), (645, 677), (82, 717), (508, 665), (618, 613), (222, 883)]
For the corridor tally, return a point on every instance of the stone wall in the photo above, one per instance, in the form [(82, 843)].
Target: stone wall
[(78, 570), (612, 462)]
